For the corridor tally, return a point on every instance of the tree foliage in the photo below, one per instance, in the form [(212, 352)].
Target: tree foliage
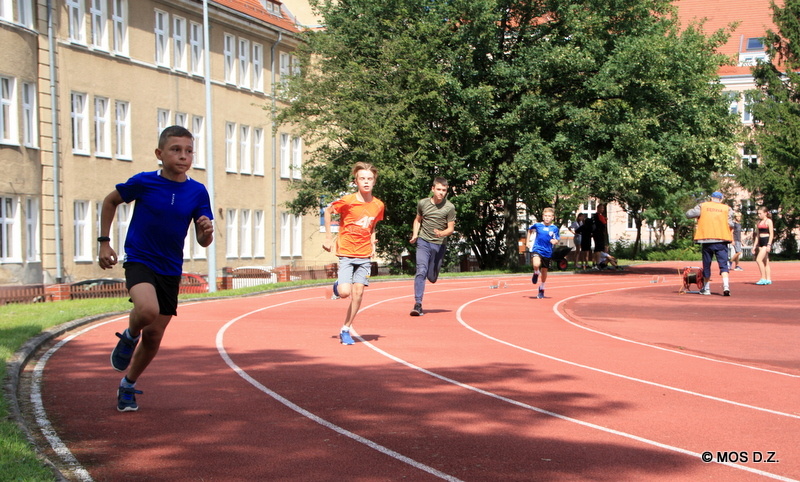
[(775, 182), (518, 103)]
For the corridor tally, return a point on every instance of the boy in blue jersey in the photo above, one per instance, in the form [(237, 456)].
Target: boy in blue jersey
[(167, 201), (547, 235)]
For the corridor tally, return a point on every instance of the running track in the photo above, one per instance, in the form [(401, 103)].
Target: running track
[(611, 377)]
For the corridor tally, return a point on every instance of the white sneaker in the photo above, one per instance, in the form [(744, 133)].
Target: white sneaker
[(705, 292)]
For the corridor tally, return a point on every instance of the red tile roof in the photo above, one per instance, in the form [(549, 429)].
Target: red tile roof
[(754, 17), (253, 8)]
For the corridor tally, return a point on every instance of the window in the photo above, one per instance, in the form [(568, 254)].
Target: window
[(162, 120), (102, 127), (80, 124), (297, 236), (25, 12), (258, 67), (285, 67), (99, 17), (749, 158), (228, 52), (297, 157), (258, 151), (733, 99), (285, 156), (179, 43), (83, 233), (747, 113), (258, 234), (755, 43), (180, 119), (8, 110), (245, 162), (123, 131), (9, 232), (286, 234), (233, 235), (75, 13), (198, 131), (244, 63), (30, 124), (124, 213), (230, 147), (246, 234), (5, 10), (119, 19), (162, 38), (32, 246), (196, 43)]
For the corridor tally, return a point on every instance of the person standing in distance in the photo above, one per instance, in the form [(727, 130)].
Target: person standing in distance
[(435, 220), (359, 213), (167, 201), (763, 236), (714, 231)]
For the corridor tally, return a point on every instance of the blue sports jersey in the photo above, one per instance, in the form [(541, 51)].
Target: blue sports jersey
[(542, 245), (162, 215)]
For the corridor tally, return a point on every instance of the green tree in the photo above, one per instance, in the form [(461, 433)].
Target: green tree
[(775, 182), (542, 103)]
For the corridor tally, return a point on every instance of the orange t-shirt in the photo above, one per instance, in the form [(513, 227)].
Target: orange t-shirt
[(357, 220)]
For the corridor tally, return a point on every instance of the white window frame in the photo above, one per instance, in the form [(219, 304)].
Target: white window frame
[(30, 120), (119, 21), (82, 224), (80, 123), (229, 48), (102, 127), (122, 128), (123, 217), (297, 157), (198, 131), (230, 147), (9, 119), (245, 234), (258, 67), (98, 12), (258, 151), (161, 31), (196, 47), (32, 243), (747, 113), (180, 119), (76, 21), (6, 11), (162, 120), (10, 235), (286, 234), (244, 63), (245, 150), (258, 234), (232, 232), (749, 158), (297, 235), (285, 156), (25, 13), (179, 43)]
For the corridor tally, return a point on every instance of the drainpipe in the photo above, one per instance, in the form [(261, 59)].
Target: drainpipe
[(274, 157), (51, 45), (212, 248)]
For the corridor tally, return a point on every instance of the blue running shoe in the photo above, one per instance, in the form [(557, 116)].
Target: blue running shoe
[(336, 289), (345, 338), (535, 277), (762, 281), (126, 399), (541, 294), (121, 356)]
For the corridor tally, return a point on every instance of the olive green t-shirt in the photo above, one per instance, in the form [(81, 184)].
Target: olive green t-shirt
[(434, 216)]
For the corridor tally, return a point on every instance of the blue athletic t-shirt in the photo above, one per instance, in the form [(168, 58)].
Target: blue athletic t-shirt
[(544, 234), (162, 214)]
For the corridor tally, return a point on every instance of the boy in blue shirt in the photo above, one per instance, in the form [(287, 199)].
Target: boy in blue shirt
[(167, 201), (547, 235)]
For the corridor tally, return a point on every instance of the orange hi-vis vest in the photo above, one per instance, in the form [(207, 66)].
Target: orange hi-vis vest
[(713, 222)]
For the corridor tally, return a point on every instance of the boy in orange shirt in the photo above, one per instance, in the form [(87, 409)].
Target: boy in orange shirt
[(358, 214)]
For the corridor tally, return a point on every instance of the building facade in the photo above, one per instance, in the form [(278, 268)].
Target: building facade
[(87, 86)]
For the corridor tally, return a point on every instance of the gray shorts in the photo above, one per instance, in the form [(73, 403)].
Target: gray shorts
[(354, 270)]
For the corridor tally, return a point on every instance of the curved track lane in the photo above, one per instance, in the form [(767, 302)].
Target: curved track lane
[(611, 377)]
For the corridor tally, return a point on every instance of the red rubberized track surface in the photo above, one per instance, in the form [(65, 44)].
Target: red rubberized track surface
[(613, 376)]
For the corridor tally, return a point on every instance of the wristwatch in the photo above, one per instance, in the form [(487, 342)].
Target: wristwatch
[(102, 239)]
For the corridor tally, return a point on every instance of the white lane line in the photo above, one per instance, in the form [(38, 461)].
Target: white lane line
[(556, 310), (358, 438)]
